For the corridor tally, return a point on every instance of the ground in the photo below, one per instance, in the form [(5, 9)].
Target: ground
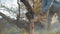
[(13, 29)]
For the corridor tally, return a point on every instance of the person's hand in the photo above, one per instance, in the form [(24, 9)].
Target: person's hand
[(42, 14)]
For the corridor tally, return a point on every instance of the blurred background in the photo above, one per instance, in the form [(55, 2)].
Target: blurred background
[(14, 21)]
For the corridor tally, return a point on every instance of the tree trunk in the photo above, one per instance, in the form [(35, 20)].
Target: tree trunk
[(31, 27), (18, 15), (30, 10)]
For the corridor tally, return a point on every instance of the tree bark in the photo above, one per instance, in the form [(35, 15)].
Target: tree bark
[(30, 10), (31, 27)]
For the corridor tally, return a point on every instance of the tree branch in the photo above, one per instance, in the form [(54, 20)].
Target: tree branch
[(30, 13), (29, 8), (6, 17)]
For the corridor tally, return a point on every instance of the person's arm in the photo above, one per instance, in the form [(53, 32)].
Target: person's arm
[(46, 4)]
